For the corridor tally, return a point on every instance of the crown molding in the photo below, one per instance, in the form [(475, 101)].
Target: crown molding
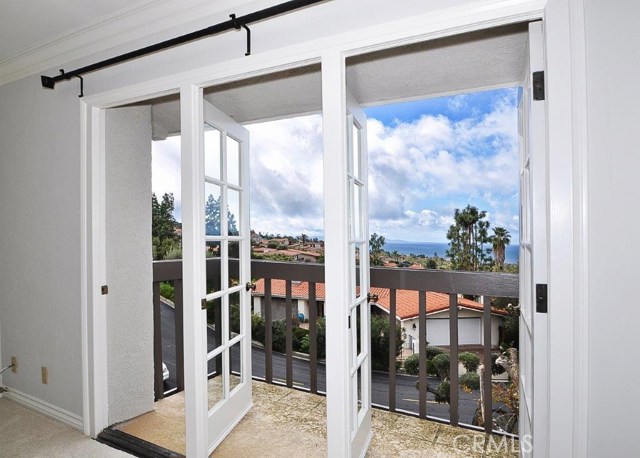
[(135, 22)]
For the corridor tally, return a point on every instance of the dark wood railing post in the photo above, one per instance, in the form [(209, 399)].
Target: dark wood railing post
[(268, 332), (392, 350), (313, 338), (486, 382), (157, 342), (422, 352), (179, 311), (289, 337), (453, 359), (217, 335)]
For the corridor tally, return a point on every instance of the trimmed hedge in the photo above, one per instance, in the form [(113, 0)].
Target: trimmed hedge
[(470, 380), (469, 360), (412, 364)]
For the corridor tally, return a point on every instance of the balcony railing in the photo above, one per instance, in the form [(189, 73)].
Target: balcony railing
[(452, 283)]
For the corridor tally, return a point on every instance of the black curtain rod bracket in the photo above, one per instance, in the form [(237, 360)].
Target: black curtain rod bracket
[(235, 23), (238, 26)]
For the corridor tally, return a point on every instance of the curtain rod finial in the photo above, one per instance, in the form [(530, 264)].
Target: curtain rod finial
[(47, 82)]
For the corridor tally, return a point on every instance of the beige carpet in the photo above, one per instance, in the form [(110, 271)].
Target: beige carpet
[(27, 434)]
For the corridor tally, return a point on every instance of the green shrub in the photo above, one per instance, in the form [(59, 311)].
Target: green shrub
[(234, 317), (442, 392), (412, 364), (257, 328), (431, 368), (298, 335), (167, 290), (320, 329), (304, 344), (279, 336), (432, 352), (469, 360), (470, 380), (441, 363)]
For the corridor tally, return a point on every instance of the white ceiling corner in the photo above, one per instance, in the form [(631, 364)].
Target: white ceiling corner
[(36, 36)]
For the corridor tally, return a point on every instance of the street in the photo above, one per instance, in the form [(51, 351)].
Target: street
[(406, 391)]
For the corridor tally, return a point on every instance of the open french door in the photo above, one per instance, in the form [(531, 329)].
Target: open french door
[(216, 242), (359, 318), (533, 259)]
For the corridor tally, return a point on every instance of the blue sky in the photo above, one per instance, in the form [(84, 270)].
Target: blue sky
[(426, 158)]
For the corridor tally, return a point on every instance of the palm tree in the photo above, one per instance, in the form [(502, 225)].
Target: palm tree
[(500, 240), (396, 255)]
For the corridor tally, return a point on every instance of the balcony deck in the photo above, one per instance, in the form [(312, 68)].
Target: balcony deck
[(289, 422)]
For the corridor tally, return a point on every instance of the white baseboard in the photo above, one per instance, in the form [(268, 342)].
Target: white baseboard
[(46, 409)]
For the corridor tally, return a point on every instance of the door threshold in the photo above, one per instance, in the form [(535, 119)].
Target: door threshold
[(138, 447)]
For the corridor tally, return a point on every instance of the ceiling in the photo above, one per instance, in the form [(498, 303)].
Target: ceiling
[(25, 25), (469, 62)]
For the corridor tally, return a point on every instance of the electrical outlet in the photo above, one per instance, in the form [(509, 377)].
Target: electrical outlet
[(45, 375), (14, 364)]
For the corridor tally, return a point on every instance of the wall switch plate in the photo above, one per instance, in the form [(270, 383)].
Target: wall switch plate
[(45, 375), (14, 364)]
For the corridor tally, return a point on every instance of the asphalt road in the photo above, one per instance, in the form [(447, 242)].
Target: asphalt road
[(406, 392)]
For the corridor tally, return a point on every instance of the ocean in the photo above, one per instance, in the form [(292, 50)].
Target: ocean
[(429, 248)]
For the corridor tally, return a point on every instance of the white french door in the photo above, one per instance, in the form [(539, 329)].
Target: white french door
[(359, 321), (216, 269), (533, 260)]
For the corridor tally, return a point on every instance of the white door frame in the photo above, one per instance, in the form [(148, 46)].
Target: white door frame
[(567, 261)]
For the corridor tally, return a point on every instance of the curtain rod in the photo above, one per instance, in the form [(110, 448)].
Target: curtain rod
[(236, 23)]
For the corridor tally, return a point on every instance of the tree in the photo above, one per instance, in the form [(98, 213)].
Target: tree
[(500, 240), (380, 342), (467, 236), (212, 217), (376, 245), (304, 238), (396, 255), (163, 227)]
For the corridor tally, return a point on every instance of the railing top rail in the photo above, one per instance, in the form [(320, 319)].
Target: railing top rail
[(441, 281), (447, 281)]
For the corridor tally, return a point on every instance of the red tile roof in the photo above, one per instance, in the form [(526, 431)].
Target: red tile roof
[(299, 290), (407, 302)]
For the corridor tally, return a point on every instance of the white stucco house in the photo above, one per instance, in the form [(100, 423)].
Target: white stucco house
[(470, 324)]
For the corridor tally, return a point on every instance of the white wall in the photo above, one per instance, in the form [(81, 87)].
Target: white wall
[(40, 241), (129, 262), (613, 108)]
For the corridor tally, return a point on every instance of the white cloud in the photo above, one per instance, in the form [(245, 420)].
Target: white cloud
[(418, 172), (286, 170), (165, 170), (433, 161)]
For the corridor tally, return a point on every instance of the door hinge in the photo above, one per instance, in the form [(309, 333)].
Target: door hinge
[(349, 322), (542, 305), (538, 85), (372, 297), (104, 289), (203, 304), (250, 286)]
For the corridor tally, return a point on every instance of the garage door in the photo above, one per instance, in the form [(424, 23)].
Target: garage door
[(469, 331)]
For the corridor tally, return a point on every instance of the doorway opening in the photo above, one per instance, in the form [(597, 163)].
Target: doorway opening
[(218, 252)]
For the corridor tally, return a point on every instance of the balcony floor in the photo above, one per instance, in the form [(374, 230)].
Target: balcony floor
[(290, 422)]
